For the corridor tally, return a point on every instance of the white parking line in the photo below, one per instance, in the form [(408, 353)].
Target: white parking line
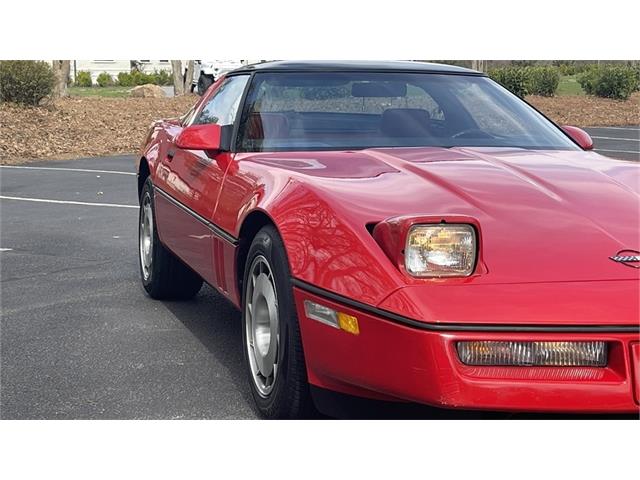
[(621, 139), (617, 151), (5, 249), (66, 202), (85, 170), (633, 129)]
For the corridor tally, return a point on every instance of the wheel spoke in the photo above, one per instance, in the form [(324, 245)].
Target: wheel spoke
[(146, 237), (262, 325)]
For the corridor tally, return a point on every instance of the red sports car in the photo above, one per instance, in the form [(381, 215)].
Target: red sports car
[(399, 231)]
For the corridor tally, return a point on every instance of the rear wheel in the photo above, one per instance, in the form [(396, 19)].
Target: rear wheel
[(163, 275), (274, 358)]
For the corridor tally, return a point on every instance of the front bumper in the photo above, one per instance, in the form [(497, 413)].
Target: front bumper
[(387, 360)]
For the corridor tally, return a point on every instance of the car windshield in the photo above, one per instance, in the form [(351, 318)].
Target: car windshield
[(347, 110)]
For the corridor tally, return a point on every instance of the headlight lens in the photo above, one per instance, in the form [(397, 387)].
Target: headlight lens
[(443, 250), (546, 354)]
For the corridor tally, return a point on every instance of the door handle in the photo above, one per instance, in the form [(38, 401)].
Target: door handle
[(171, 153)]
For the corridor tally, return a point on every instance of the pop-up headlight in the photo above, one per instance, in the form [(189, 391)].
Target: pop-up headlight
[(442, 250)]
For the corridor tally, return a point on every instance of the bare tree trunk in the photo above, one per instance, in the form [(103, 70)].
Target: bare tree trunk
[(62, 70), (478, 65), (178, 80), (188, 77)]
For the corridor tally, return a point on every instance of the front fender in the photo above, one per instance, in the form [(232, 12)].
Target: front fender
[(326, 246), (329, 250)]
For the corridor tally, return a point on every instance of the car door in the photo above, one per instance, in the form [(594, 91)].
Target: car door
[(188, 183)]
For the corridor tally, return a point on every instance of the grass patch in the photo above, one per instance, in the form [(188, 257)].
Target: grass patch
[(109, 92), (569, 86)]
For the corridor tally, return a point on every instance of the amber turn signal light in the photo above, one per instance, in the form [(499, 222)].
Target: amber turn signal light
[(331, 317)]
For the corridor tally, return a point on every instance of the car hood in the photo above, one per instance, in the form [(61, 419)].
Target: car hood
[(544, 215)]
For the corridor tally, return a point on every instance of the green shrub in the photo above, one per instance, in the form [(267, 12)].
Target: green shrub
[(83, 79), (636, 69), (136, 77), (610, 81), (125, 79), (140, 78), (587, 81), (523, 63), (572, 67), (542, 81), (105, 80), (25, 81), (513, 79), (163, 77), (565, 67), (583, 67)]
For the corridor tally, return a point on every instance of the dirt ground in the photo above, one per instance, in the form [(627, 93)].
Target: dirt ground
[(82, 127), (585, 111), (94, 126)]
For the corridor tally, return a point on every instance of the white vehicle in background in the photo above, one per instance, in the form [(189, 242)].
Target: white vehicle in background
[(207, 71)]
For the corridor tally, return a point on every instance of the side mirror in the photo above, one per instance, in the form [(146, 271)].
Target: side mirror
[(579, 136), (210, 137)]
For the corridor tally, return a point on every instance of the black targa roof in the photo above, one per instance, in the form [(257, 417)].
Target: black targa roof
[(353, 66)]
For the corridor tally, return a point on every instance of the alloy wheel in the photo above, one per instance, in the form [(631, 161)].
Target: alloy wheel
[(262, 327), (146, 236)]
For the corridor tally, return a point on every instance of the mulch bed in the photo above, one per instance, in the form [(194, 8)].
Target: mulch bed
[(94, 126), (82, 127), (585, 111)]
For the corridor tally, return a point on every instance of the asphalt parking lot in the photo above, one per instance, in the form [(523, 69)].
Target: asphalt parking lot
[(79, 338), (617, 142)]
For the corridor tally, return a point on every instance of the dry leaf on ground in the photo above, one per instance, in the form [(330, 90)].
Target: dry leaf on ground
[(82, 127)]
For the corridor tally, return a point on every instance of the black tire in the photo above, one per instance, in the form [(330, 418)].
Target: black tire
[(204, 82), (167, 277), (290, 397)]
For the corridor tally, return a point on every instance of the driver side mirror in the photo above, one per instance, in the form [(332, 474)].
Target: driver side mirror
[(579, 136), (210, 138)]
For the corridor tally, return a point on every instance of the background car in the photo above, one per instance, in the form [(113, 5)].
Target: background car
[(206, 71), (399, 231)]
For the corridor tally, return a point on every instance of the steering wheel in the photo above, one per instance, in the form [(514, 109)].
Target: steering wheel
[(476, 131)]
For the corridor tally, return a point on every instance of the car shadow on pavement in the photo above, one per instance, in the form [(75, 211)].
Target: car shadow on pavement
[(216, 323)]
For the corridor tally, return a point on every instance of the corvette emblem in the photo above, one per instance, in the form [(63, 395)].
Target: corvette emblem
[(630, 258)]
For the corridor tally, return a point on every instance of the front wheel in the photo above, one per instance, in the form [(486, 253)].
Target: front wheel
[(273, 353)]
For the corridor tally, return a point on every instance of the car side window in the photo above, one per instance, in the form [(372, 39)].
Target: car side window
[(221, 109), (187, 117)]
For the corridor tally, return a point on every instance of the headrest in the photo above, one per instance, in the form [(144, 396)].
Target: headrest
[(267, 125)]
